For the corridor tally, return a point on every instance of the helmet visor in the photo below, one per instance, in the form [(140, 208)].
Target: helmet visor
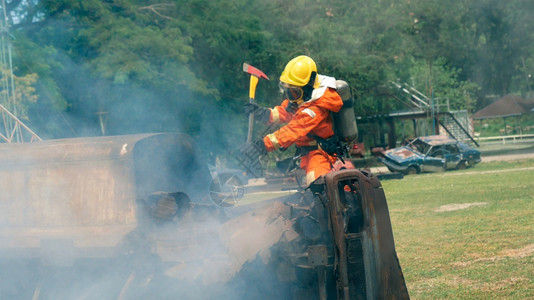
[(291, 92)]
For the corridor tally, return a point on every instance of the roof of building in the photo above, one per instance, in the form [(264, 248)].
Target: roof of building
[(507, 106)]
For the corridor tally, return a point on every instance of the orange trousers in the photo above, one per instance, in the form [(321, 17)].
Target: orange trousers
[(316, 163)]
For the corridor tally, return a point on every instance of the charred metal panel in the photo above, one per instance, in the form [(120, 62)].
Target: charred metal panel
[(363, 238), (170, 164)]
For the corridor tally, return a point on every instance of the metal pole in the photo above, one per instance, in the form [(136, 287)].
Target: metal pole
[(527, 76), (7, 69), (432, 112), (14, 128)]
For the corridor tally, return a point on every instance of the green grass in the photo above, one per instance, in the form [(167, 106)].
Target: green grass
[(493, 166), (485, 251), (498, 148)]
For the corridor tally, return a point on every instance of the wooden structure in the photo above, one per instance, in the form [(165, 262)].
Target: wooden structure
[(509, 106)]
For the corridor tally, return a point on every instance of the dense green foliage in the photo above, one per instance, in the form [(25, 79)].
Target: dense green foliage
[(177, 65)]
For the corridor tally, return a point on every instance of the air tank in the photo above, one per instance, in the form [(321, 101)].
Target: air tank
[(345, 120)]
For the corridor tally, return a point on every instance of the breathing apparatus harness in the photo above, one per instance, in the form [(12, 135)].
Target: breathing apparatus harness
[(343, 125), (332, 146)]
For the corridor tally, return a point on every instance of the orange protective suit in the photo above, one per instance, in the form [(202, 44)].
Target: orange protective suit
[(311, 117)]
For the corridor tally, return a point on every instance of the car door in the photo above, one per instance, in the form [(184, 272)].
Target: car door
[(452, 156), (433, 161)]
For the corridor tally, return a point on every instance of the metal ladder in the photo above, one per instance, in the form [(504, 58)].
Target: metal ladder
[(456, 126)]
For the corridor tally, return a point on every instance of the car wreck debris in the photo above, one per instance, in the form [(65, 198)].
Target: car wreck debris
[(130, 217)]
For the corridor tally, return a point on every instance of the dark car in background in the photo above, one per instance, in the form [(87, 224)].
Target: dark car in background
[(433, 153)]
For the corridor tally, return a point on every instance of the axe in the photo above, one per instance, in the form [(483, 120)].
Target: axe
[(255, 76)]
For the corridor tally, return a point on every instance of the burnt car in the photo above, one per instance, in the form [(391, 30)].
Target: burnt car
[(228, 185), (131, 217), (433, 153)]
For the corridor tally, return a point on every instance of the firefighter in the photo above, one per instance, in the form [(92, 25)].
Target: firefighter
[(309, 99)]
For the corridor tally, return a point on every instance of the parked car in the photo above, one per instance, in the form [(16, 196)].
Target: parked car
[(433, 153)]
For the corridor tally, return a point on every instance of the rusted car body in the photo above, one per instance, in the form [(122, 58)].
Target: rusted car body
[(70, 191), (130, 217), (345, 242), (363, 238), (433, 153)]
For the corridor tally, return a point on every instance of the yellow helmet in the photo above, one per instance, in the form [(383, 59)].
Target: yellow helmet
[(298, 72)]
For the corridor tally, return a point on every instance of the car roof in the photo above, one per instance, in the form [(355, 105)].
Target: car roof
[(434, 140)]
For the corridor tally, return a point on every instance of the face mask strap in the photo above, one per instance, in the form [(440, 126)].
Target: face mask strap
[(308, 88)]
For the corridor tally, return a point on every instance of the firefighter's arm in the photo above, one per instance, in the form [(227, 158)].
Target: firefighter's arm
[(302, 123), (280, 113)]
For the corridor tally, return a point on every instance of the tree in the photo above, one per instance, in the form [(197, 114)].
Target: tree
[(176, 65), (504, 33), (448, 89)]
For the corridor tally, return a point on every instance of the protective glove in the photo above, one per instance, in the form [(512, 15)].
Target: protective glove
[(262, 114), (260, 145), (250, 107)]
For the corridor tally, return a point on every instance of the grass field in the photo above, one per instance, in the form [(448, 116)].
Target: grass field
[(466, 234), (499, 148)]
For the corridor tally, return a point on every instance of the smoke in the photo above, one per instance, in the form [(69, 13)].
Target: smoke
[(74, 222), (101, 107), (184, 259), (79, 219)]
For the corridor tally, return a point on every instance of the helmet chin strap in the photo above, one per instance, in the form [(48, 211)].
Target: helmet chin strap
[(308, 88)]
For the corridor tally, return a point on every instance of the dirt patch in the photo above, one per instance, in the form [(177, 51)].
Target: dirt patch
[(526, 251), (519, 253), (452, 207)]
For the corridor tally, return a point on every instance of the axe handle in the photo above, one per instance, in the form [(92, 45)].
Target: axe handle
[(251, 94), (250, 125)]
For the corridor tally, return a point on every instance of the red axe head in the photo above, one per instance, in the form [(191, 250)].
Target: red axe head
[(253, 71)]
